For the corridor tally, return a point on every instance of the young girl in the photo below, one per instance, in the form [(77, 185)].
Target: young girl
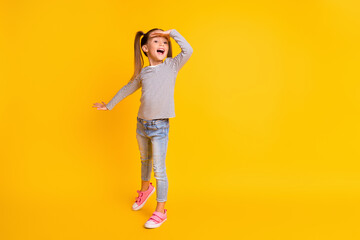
[(157, 82)]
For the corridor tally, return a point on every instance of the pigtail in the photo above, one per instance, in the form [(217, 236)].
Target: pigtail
[(169, 55), (138, 58)]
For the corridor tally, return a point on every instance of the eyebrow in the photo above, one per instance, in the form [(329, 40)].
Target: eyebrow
[(165, 39)]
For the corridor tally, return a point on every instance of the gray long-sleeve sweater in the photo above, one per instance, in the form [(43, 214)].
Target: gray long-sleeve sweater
[(157, 84)]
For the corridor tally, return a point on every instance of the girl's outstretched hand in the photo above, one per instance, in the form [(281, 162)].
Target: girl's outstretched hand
[(100, 106)]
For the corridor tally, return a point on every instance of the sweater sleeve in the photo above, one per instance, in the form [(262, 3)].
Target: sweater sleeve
[(125, 91), (186, 50)]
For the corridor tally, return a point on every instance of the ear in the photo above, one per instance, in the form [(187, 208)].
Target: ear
[(145, 48)]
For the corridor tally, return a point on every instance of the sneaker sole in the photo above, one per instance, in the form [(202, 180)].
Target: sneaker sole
[(141, 205), (155, 225)]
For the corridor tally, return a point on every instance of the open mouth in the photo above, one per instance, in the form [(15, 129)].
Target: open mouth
[(161, 51)]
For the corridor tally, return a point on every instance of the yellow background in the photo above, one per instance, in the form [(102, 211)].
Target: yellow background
[(264, 145)]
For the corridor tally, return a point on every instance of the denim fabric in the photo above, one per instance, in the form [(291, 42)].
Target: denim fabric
[(152, 136)]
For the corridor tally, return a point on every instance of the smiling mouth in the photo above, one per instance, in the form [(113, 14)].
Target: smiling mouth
[(161, 51)]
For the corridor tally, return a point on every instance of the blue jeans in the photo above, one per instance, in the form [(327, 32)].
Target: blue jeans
[(152, 136)]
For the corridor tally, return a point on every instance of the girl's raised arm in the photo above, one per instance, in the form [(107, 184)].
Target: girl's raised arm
[(125, 91), (186, 50)]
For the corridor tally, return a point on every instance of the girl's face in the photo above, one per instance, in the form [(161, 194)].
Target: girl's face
[(157, 47)]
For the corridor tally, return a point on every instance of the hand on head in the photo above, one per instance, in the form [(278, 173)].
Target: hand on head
[(165, 34)]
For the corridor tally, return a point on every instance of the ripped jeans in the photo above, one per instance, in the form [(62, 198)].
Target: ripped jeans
[(152, 136)]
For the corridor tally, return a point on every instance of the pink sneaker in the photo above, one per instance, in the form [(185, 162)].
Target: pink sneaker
[(141, 199), (156, 219)]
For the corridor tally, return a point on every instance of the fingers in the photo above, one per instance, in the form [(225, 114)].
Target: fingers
[(155, 35), (159, 35), (100, 106), (162, 35)]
